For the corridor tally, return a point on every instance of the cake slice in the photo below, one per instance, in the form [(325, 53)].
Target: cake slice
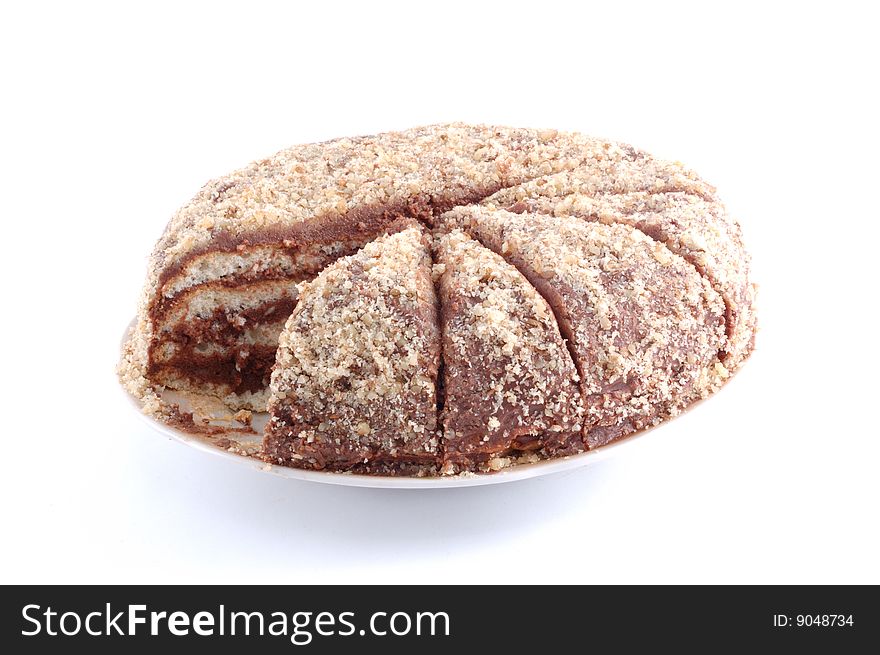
[(510, 385), (645, 327), (354, 384)]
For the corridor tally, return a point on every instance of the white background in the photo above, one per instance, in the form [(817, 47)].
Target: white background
[(112, 117)]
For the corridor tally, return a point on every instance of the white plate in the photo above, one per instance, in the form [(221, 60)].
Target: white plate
[(207, 444)]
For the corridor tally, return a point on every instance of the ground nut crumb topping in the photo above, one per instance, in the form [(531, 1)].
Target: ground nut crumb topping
[(356, 368), (510, 382), (645, 327)]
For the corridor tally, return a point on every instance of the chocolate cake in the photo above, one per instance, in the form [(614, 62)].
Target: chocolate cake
[(584, 290)]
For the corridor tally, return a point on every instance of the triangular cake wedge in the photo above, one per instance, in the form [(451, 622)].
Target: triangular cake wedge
[(510, 385), (645, 327), (354, 384)]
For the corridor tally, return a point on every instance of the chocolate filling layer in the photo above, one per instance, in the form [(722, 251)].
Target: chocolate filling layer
[(222, 329), (241, 374), (246, 368), (307, 268)]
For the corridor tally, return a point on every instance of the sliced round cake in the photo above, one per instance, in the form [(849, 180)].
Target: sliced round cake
[(582, 290)]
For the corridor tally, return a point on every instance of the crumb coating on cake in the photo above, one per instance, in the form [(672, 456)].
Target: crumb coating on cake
[(645, 327), (509, 381), (355, 380), (670, 205)]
